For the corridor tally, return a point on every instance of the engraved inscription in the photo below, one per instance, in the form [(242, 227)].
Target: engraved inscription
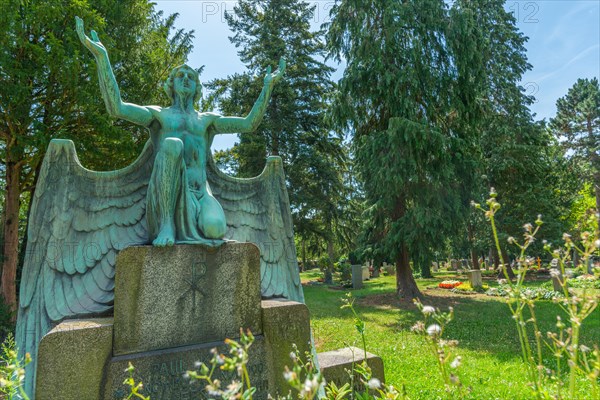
[(165, 379), (198, 271)]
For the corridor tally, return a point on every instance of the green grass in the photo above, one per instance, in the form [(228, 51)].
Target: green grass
[(487, 336)]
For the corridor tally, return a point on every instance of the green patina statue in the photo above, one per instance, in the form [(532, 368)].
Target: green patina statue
[(173, 193), (180, 207)]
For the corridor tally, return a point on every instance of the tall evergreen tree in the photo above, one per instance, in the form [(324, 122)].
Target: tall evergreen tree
[(49, 89), (394, 99), (577, 122), (491, 110), (294, 126)]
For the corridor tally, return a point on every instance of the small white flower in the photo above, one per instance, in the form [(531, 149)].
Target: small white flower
[(554, 273), (374, 383), (456, 362), (293, 356), (197, 364), (434, 330), (584, 348), (289, 376), (428, 310)]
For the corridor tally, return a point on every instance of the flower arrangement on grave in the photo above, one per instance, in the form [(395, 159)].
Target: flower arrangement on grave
[(449, 284)]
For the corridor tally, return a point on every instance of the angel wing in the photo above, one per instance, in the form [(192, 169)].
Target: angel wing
[(79, 220), (258, 210)]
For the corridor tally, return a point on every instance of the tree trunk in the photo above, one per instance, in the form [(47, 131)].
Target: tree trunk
[(303, 266), (470, 235), (597, 190), (11, 235), (509, 270), (595, 167), (496, 259), (406, 287), (331, 255)]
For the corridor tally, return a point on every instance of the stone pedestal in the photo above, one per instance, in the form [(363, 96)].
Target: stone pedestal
[(284, 323), (182, 295), (71, 359), (172, 306), (357, 280), (475, 278)]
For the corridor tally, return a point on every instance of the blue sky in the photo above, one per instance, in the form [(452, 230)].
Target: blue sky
[(564, 44)]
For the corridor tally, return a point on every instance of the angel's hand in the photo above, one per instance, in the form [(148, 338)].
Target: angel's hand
[(94, 45), (272, 78)]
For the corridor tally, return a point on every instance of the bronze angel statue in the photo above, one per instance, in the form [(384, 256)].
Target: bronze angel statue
[(173, 193)]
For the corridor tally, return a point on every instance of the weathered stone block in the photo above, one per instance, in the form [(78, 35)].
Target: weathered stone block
[(285, 323), (185, 294), (71, 359), (335, 364), (162, 372)]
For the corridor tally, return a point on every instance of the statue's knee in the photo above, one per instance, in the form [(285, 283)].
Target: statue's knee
[(172, 147), (215, 228)]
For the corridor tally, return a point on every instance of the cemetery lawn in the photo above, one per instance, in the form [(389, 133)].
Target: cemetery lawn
[(488, 342)]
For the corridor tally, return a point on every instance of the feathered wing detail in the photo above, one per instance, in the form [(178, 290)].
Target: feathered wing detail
[(78, 221), (258, 210)]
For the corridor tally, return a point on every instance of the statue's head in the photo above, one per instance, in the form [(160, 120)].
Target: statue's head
[(176, 78)]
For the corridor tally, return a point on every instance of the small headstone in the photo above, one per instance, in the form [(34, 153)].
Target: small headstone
[(475, 278), (434, 266), (376, 271), (454, 265), (357, 281), (366, 274), (558, 280), (390, 269), (336, 364)]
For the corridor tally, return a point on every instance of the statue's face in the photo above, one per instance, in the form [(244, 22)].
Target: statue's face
[(185, 81)]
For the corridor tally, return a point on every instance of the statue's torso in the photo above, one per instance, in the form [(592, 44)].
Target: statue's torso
[(193, 130)]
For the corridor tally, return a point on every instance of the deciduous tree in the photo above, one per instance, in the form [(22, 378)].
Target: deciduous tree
[(49, 89)]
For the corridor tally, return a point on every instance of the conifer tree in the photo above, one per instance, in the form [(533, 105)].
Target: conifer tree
[(577, 122), (393, 98), (294, 126)]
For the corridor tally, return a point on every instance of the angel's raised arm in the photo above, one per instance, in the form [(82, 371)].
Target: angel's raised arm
[(108, 84), (253, 119)]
